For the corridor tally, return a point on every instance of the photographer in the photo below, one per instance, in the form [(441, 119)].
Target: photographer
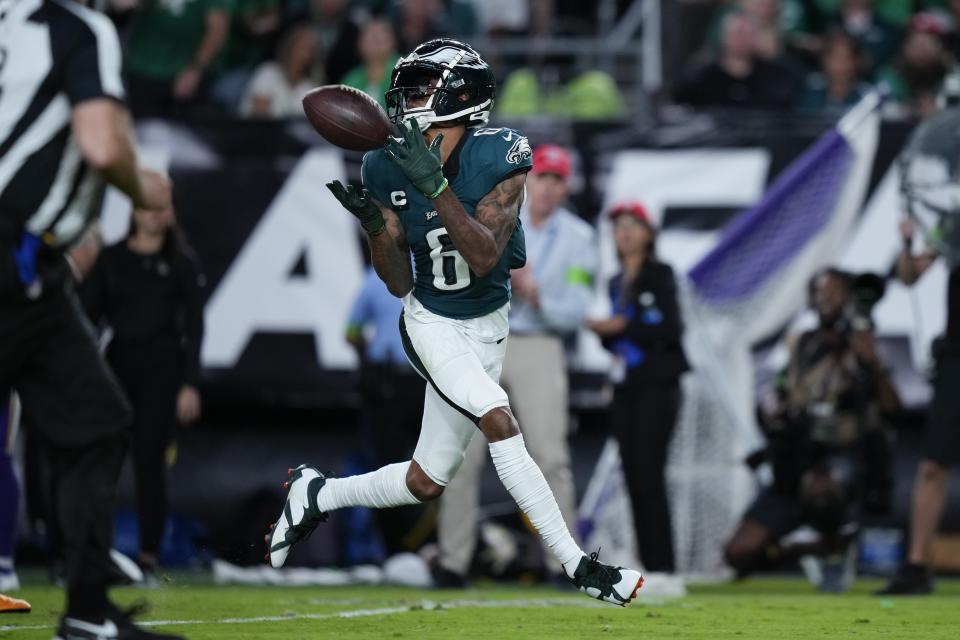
[(826, 442)]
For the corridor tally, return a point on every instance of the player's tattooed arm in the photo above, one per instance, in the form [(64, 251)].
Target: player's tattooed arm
[(481, 240), (390, 255)]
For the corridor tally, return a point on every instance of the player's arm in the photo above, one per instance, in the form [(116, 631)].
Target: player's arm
[(390, 255), (389, 251), (481, 240)]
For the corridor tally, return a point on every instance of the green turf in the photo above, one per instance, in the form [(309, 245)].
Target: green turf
[(763, 608)]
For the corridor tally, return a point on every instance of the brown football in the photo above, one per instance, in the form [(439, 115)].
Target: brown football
[(347, 117)]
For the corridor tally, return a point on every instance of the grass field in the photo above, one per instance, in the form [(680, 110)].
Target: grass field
[(763, 608)]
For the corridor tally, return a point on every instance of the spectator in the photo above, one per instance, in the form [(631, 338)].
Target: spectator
[(941, 449), (915, 77), (337, 30), (839, 85), (421, 20), (173, 50), (878, 37), (826, 443), (551, 295), (378, 49), (645, 334), (391, 397), (738, 77), (253, 32), (147, 289), (277, 88)]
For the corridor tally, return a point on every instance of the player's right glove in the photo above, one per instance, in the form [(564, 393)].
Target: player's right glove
[(359, 203)]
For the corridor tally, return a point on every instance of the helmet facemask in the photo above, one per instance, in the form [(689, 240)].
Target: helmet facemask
[(431, 88)]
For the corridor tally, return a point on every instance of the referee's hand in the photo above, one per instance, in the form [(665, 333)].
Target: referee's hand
[(155, 190)]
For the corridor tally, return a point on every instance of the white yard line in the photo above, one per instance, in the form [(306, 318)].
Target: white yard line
[(424, 605)]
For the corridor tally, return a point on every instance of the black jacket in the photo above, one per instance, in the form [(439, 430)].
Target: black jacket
[(651, 343)]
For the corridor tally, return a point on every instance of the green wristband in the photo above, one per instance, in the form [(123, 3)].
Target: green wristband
[(443, 185)]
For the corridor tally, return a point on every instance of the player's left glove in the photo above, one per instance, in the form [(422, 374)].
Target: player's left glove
[(420, 163), (359, 203)]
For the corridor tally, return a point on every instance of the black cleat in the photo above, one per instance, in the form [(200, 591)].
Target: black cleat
[(616, 585)]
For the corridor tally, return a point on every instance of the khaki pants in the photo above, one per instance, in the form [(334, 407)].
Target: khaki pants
[(534, 374)]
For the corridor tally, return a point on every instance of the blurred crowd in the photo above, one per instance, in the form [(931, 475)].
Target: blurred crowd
[(821, 56), (257, 58)]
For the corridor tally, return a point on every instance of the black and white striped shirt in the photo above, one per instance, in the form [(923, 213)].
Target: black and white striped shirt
[(54, 54)]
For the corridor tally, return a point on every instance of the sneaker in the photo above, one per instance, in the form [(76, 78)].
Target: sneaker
[(910, 580), (117, 625), (616, 585), (299, 517), (13, 605)]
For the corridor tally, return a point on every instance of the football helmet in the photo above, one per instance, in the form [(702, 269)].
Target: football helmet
[(930, 181), (442, 80)]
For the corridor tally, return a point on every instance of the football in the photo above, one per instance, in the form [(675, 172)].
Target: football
[(347, 117)]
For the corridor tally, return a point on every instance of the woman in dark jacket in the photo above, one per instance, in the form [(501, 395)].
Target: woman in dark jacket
[(645, 333), (147, 290)]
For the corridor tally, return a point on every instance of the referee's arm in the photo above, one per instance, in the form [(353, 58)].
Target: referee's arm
[(101, 123)]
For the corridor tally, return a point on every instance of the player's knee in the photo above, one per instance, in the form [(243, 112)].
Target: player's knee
[(421, 486), (499, 424)]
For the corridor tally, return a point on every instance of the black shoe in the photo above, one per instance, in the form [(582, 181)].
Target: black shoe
[(116, 625), (911, 580), (446, 579), (616, 585)]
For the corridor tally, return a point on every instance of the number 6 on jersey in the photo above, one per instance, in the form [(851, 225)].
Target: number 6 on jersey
[(450, 270)]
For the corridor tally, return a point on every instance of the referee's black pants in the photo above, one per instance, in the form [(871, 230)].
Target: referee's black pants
[(49, 356), (150, 372), (644, 415)]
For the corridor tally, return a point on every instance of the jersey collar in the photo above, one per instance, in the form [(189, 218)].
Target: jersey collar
[(451, 168)]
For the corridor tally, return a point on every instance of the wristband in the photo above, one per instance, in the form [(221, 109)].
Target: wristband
[(435, 194)]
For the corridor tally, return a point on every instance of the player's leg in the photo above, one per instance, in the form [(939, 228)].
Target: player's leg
[(534, 370), (457, 516), (444, 436), (463, 362), (9, 490)]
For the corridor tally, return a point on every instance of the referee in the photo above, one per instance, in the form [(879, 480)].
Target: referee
[(64, 132)]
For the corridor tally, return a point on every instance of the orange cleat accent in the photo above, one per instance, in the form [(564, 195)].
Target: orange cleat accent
[(639, 586), (13, 605)]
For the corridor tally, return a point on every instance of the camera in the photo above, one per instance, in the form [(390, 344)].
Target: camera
[(866, 290)]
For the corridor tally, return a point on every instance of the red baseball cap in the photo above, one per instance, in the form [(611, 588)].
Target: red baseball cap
[(633, 208), (552, 158)]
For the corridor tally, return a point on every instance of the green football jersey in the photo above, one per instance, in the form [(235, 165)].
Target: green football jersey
[(444, 283)]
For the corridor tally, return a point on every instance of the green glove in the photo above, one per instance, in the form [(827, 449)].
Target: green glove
[(419, 162), (359, 203)]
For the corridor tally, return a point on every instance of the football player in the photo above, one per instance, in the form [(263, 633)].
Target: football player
[(449, 190)]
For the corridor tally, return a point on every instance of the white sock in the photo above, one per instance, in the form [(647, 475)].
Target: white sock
[(385, 487), (525, 482)]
